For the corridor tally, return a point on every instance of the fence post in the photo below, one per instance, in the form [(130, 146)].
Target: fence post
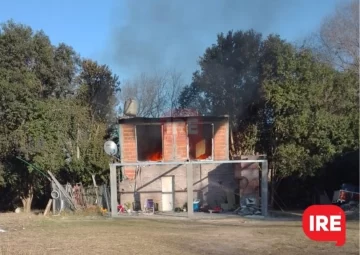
[(264, 188), (190, 189), (113, 190)]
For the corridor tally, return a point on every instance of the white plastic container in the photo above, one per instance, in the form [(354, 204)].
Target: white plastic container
[(130, 107)]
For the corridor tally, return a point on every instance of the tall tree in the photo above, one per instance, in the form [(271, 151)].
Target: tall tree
[(309, 111), (99, 89), (22, 50), (227, 83), (40, 122), (32, 119), (337, 40), (98, 92), (40, 141), (281, 100), (311, 108)]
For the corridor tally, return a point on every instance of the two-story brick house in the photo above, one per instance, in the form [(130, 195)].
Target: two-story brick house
[(175, 139)]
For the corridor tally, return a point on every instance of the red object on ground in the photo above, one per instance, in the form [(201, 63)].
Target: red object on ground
[(217, 209), (120, 208)]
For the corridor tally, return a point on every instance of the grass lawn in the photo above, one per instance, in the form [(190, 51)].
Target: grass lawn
[(30, 234)]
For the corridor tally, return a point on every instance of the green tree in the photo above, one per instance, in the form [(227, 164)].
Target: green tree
[(227, 83), (98, 94), (40, 141), (311, 109), (20, 87), (281, 101), (228, 73), (49, 110), (99, 89)]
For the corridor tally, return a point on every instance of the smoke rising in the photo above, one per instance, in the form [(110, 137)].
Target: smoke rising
[(160, 34)]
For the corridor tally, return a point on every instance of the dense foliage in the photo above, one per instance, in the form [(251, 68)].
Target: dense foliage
[(282, 102), (54, 108)]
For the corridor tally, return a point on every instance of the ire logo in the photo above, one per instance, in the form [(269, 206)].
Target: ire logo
[(325, 223)]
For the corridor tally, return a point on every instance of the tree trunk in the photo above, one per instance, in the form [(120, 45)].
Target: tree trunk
[(27, 200)]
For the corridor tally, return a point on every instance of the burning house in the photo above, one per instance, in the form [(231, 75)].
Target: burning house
[(175, 139)]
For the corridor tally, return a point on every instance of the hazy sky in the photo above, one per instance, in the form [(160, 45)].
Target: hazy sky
[(132, 36)]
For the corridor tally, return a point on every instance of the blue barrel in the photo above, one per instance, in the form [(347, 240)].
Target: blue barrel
[(196, 205)]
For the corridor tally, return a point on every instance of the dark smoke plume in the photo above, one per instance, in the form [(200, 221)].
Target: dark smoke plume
[(162, 34)]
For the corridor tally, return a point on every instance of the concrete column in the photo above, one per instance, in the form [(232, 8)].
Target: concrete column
[(113, 190), (264, 188), (121, 143), (190, 189)]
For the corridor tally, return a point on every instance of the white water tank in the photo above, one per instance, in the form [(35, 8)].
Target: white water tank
[(130, 107)]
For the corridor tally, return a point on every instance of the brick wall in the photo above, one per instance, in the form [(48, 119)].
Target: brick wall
[(128, 148), (174, 143), (167, 142), (181, 141), (128, 143), (221, 141)]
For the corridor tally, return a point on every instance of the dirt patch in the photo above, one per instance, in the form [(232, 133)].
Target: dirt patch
[(28, 234), (11, 222)]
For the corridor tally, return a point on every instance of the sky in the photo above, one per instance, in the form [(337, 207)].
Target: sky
[(133, 36)]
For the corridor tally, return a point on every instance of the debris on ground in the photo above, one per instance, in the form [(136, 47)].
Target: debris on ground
[(351, 208), (248, 206), (348, 199)]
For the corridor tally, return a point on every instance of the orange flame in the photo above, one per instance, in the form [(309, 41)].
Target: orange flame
[(156, 156), (203, 156)]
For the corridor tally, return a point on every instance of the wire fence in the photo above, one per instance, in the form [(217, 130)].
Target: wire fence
[(73, 197)]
